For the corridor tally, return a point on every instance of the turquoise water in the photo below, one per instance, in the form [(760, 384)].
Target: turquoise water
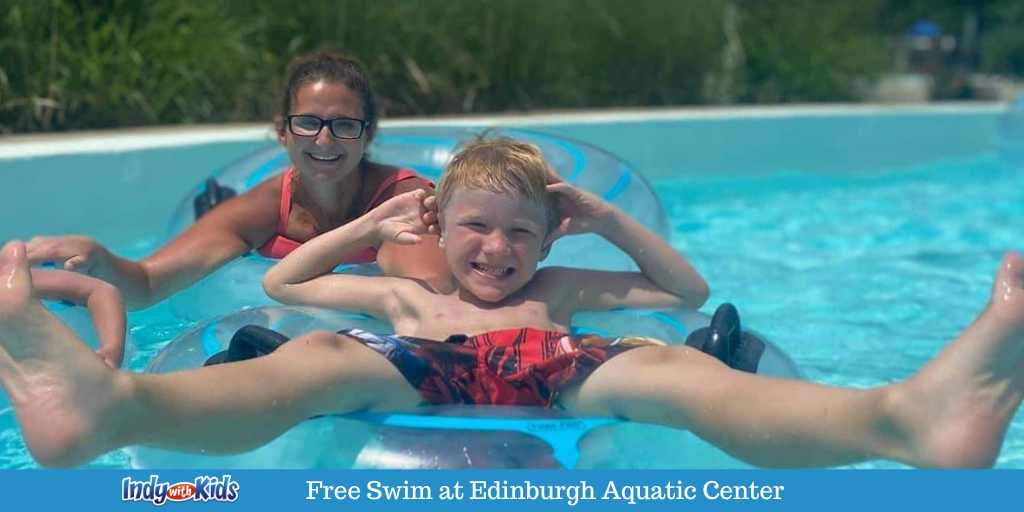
[(860, 278)]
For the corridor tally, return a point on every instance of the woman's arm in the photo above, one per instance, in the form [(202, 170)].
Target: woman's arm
[(102, 300), (223, 234)]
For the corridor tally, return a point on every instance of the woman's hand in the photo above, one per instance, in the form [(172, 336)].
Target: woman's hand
[(579, 210), (403, 218), (77, 253)]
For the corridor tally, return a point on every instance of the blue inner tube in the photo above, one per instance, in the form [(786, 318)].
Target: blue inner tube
[(454, 436), (237, 285)]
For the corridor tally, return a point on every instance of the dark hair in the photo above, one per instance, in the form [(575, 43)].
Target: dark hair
[(334, 67)]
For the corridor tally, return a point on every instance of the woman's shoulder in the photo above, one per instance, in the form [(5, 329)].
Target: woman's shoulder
[(269, 189), (388, 181), (384, 172)]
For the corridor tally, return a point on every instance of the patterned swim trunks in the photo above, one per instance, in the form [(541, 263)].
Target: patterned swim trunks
[(507, 367)]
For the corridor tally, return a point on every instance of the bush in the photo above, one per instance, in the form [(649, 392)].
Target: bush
[(116, 63), (74, 64), (807, 50)]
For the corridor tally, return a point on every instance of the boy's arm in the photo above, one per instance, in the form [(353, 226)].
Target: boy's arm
[(303, 277), (102, 299), (665, 279)]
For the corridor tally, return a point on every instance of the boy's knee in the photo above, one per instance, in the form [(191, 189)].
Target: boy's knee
[(677, 355)]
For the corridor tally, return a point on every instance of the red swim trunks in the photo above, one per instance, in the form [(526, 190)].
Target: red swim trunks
[(507, 367)]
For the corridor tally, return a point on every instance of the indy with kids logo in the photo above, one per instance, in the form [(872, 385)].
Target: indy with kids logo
[(202, 488)]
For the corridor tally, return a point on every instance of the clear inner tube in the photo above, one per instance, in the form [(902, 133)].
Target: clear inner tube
[(454, 436)]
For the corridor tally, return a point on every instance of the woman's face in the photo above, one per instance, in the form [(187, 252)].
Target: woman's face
[(323, 158)]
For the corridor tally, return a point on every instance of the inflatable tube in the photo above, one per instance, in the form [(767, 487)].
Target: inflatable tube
[(237, 285), (454, 436), (77, 318)]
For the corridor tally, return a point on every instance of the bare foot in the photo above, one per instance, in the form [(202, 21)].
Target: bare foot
[(956, 410), (58, 387)]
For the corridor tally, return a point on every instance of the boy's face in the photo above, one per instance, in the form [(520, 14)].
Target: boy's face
[(492, 241)]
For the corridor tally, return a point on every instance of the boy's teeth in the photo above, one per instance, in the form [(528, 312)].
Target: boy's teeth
[(492, 270)]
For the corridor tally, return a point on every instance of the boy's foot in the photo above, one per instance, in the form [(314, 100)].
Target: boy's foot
[(57, 385), (955, 411)]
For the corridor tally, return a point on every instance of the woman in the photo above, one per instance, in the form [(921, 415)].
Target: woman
[(328, 119)]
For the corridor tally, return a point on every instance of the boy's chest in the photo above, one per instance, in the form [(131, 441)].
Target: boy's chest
[(445, 317)]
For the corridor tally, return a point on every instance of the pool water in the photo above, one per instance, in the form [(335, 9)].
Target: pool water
[(860, 279)]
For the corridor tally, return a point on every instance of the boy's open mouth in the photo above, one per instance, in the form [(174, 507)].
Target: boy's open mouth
[(492, 270)]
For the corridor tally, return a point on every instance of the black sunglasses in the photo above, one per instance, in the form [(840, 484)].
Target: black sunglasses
[(341, 127)]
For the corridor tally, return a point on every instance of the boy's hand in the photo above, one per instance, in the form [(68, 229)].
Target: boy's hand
[(403, 218), (580, 211)]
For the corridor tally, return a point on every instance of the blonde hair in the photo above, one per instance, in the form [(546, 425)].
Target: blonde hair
[(500, 165)]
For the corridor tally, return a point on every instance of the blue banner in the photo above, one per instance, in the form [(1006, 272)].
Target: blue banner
[(519, 491)]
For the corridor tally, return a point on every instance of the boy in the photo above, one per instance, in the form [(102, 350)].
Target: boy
[(499, 219), (954, 412)]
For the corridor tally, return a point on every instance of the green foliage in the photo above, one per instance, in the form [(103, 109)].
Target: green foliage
[(112, 63), (1004, 45), (813, 51), (74, 64)]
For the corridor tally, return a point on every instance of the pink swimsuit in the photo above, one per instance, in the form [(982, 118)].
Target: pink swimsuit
[(279, 245)]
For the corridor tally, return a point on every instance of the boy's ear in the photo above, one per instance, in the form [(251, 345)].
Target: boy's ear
[(554, 233), (545, 247), (440, 230), (544, 251)]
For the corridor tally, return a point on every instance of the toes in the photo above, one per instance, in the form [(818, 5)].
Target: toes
[(14, 265), (1013, 266), (1010, 277), (13, 253), (15, 278)]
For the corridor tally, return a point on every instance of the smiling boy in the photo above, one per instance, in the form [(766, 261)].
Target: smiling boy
[(505, 321)]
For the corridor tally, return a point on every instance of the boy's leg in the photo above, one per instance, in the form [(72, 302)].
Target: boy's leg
[(72, 407), (239, 406), (954, 412)]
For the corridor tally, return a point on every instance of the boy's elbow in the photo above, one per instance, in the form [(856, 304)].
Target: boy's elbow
[(274, 288), (703, 294), (696, 297), (109, 290), (106, 293)]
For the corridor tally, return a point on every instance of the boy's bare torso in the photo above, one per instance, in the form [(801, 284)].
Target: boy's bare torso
[(421, 312)]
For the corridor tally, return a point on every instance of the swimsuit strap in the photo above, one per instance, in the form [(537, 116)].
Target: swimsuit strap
[(391, 179), (285, 208)]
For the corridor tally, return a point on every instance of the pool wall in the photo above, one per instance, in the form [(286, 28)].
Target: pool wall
[(135, 178)]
